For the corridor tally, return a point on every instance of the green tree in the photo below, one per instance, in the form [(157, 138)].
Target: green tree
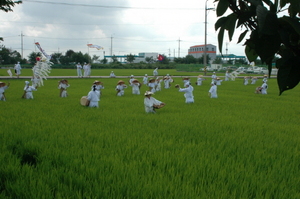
[(55, 58), (6, 6), (130, 58), (104, 61), (8, 56), (268, 34), (149, 60), (190, 59), (114, 59), (95, 58), (218, 60), (32, 57)]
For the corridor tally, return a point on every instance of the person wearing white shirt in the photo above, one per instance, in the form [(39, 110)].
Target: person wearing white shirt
[(151, 103), (188, 93), (136, 87), (145, 79), (120, 88), (99, 86), (63, 85), (3, 87), (79, 72), (93, 97), (112, 74), (18, 69), (155, 72), (28, 91), (264, 88), (213, 91), (199, 80), (227, 76)]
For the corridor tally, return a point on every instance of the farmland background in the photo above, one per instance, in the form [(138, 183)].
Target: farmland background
[(241, 145)]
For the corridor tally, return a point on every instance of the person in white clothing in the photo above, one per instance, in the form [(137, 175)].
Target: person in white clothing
[(186, 80), (28, 91), (265, 79), (18, 69), (131, 79), (93, 97), (35, 80), (188, 92), (227, 76), (246, 80), (158, 84), (136, 85), (167, 80), (151, 103), (264, 88), (152, 85), (112, 74), (85, 70), (3, 87), (79, 72), (155, 72), (199, 80), (63, 85), (145, 79), (253, 80), (218, 81), (213, 91), (99, 86), (120, 88)]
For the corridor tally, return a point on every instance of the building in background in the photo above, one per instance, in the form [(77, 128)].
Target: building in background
[(198, 51), (142, 57)]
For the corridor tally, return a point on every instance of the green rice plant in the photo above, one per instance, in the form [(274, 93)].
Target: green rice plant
[(240, 145)]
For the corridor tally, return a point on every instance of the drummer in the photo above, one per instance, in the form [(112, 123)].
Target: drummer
[(99, 86), (151, 103), (120, 88), (63, 85)]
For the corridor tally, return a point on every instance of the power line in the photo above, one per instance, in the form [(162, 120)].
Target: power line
[(109, 7)]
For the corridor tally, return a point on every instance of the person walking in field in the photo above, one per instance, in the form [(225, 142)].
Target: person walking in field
[(3, 87), (145, 79), (18, 69), (227, 76), (151, 103), (136, 85), (120, 88), (155, 72), (28, 91), (93, 97), (63, 85), (199, 80), (188, 92), (213, 91)]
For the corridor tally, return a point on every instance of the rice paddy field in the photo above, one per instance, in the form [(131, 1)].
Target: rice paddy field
[(240, 145)]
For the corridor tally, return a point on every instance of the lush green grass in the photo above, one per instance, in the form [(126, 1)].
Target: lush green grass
[(241, 145)]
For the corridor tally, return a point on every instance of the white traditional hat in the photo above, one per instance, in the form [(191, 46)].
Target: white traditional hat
[(148, 93)]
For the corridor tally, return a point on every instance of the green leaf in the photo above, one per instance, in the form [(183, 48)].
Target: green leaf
[(250, 53), (221, 22), (220, 38), (267, 21), (222, 7), (241, 37), (294, 23), (288, 75), (230, 25), (294, 8)]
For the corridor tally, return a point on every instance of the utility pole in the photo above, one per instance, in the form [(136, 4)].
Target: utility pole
[(111, 41), (205, 34), (22, 44), (179, 47)]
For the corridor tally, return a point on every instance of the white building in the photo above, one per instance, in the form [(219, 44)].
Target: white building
[(142, 57), (198, 51)]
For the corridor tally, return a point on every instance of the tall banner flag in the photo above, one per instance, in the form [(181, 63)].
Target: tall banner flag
[(95, 46), (42, 51), (160, 57)]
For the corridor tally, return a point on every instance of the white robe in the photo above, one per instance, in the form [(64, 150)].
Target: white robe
[(189, 97), (145, 80), (28, 90), (2, 89), (199, 81), (152, 86), (213, 91), (149, 102), (64, 87), (79, 73), (93, 97), (136, 88), (18, 69), (227, 76), (121, 89), (264, 89)]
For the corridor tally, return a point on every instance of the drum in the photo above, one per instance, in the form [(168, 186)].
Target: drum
[(84, 101)]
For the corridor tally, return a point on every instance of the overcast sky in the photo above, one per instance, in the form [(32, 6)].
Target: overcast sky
[(131, 26)]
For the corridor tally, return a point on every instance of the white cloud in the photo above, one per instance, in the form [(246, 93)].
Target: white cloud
[(134, 25)]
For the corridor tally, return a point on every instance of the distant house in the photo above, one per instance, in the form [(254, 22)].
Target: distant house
[(198, 51)]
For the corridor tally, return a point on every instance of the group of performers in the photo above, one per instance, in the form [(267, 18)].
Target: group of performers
[(86, 70), (153, 84)]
